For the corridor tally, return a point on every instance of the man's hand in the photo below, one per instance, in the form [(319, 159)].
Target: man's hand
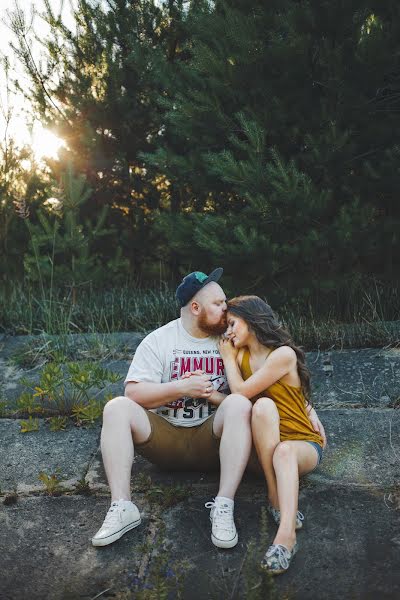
[(317, 425), (196, 384)]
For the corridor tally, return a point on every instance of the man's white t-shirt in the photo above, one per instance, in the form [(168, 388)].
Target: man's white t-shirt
[(165, 355)]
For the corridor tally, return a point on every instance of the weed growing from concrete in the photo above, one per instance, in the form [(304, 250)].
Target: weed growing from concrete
[(394, 402), (58, 423), (82, 487), (51, 483), (88, 414), (168, 495), (29, 425), (11, 498), (3, 408), (67, 391), (164, 496), (28, 404)]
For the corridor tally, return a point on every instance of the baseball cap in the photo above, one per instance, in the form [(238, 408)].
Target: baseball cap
[(194, 282)]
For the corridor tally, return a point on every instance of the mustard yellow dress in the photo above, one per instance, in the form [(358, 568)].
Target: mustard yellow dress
[(290, 402)]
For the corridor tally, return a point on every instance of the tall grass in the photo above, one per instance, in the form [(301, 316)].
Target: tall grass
[(24, 311), (371, 317)]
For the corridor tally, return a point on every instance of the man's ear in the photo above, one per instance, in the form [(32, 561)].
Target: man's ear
[(195, 307)]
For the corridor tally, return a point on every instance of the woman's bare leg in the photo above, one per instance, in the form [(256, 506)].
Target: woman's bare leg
[(291, 459), (265, 429)]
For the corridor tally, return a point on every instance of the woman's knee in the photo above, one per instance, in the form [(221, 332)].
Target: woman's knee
[(284, 452), (264, 408)]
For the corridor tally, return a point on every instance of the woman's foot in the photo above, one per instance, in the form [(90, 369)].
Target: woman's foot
[(277, 558), (285, 539), (276, 515)]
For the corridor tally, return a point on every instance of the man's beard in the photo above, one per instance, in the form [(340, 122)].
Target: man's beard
[(212, 328)]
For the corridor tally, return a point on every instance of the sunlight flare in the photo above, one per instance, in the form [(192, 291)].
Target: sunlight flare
[(45, 144)]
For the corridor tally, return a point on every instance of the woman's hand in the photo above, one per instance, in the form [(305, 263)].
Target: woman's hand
[(227, 349), (317, 425)]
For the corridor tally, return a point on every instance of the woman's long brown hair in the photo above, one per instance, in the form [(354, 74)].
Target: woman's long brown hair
[(265, 325)]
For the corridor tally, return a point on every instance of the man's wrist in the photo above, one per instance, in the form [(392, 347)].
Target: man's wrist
[(181, 387)]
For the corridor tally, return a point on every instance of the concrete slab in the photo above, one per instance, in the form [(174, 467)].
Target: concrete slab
[(23, 456), (363, 447), (355, 378), (46, 550), (348, 548)]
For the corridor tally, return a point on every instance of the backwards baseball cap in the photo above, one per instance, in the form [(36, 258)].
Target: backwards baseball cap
[(194, 282)]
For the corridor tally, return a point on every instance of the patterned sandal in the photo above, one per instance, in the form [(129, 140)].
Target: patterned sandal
[(277, 559)]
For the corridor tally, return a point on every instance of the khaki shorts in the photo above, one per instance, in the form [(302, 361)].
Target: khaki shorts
[(181, 448), (185, 448)]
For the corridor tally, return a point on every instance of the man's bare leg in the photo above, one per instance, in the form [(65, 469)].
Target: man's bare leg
[(232, 425), (122, 419)]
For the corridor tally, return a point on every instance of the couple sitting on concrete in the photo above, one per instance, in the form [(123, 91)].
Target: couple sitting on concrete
[(199, 392)]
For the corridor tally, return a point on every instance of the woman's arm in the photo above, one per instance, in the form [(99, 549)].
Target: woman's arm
[(276, 366), (316, 423)]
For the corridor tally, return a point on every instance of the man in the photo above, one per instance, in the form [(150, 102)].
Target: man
[(173, 415)]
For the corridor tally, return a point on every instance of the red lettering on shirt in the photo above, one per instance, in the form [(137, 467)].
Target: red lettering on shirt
[(174, 369), (197, 364), (209, 365), (220, 366), (185, 366)]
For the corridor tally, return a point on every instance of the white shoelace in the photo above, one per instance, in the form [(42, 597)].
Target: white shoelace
[(112, 517), (300, 516), (282, 554), (222, 515)]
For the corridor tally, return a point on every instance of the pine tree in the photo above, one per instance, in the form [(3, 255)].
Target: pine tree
[(289, 109), (95, 87), (62, 243)]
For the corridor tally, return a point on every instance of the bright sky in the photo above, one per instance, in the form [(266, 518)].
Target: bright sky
[(42, 141)]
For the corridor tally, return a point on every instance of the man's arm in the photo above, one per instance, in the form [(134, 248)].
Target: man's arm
[(216, 398), (153, 395)]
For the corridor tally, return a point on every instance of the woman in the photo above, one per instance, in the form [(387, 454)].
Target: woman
[(263, 364)]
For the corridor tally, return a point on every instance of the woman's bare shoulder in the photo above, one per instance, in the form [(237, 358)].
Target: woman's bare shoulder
[(283, 354)]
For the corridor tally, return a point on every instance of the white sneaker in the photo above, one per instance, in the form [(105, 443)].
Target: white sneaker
[(122, 516), (223, 533)]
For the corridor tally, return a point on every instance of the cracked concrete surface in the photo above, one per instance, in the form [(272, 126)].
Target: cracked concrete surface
[(349, 547)]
